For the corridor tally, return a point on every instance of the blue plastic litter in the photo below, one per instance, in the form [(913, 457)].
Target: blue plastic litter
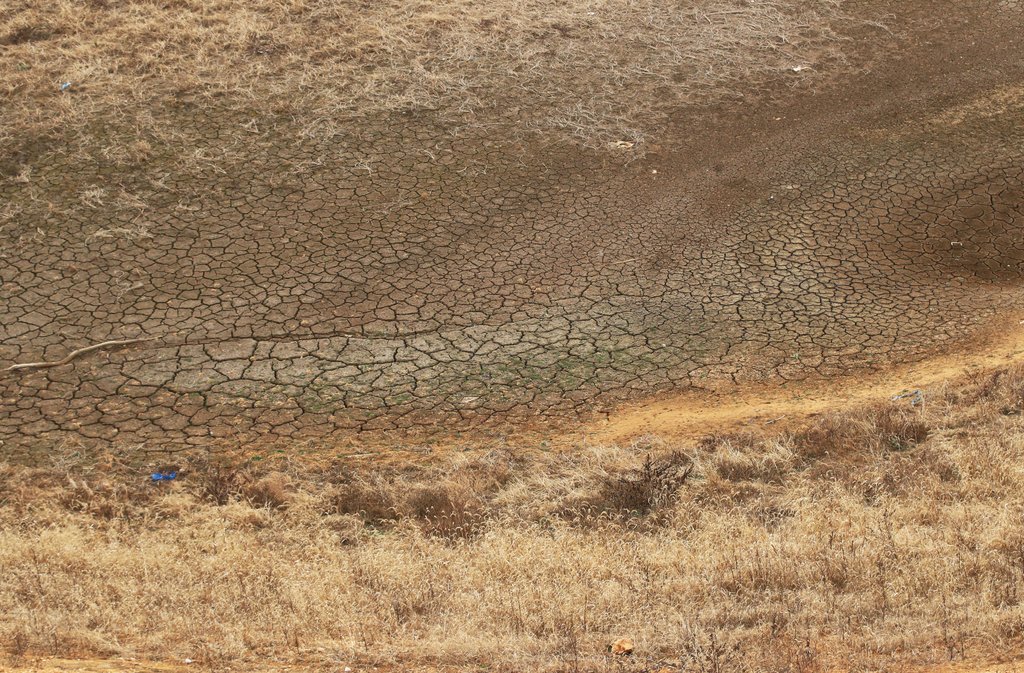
[(916, 397), (65, 86), (163, 476)]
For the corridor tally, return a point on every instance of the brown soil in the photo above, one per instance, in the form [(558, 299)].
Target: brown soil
[(410, 275), (760, 407)]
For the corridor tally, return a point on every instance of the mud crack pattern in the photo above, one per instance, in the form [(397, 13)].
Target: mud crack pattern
[(422, 279)]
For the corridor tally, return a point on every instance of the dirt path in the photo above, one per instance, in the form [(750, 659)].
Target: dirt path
[(48, 665), (757, 407)]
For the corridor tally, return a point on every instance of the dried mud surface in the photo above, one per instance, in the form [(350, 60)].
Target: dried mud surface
[(415, 277)]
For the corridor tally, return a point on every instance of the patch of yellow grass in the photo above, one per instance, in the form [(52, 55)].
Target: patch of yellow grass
[(601, 70), (872, 537)]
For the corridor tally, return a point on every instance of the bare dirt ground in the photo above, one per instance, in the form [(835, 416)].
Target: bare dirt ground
[(754, 407), (408, 274)]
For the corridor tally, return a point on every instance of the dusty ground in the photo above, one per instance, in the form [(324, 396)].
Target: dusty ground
[(756, 407), (101, 666), (409, 275)]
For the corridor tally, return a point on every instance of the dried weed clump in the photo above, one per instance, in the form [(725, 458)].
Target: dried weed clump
[(737, 553)]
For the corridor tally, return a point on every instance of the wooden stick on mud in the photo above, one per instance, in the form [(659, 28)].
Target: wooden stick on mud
[(74, 354)]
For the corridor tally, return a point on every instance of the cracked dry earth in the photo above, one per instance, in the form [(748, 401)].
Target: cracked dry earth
[(414, 277)]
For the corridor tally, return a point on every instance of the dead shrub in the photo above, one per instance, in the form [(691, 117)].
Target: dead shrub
[(272, 490), (704, 652), (768, 463), (446, 510), (898, 429), (888, 427), (7, 476), (642, 490), (371, 502), (25, 34), (219, 478), (736, 440), (104, 498), (771, 513), (895, 477), (937, 462), (835, 434), (1002, 390), (487, 474)]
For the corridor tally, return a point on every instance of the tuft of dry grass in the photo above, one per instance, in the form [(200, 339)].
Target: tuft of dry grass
[(599, 71), (836, 546)]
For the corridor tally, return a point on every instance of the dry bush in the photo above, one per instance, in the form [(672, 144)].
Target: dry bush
[(101, 498), (770, 463), (893, 427), (270, 490), (219, 478), (372, 502), (641, 490), (446, 512), (447, 503), (768, 555), (1001, 391)]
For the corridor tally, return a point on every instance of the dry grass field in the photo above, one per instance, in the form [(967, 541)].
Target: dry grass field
[(869, 539), (599, 71)]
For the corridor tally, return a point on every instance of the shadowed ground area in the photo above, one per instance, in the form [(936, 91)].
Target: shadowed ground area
[(408, 273)]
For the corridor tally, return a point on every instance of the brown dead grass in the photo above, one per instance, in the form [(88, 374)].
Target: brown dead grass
[(874, 537), (599, 71)]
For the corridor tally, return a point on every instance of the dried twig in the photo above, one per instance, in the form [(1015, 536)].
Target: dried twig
[(74, 354)]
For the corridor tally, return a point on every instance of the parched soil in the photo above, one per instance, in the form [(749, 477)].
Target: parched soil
[(411, 274), (773, 406)]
